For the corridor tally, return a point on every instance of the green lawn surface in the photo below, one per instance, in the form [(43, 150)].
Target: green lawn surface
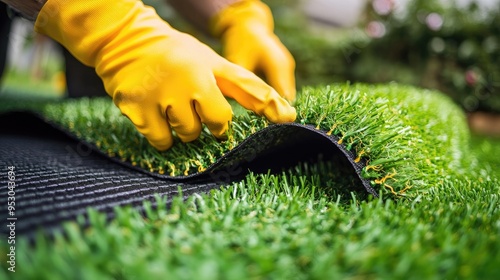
[(438, 216)]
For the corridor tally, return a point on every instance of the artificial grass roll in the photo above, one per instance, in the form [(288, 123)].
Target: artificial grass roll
[(410, 138)]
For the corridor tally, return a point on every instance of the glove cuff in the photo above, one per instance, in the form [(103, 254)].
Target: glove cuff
[(245, 12)]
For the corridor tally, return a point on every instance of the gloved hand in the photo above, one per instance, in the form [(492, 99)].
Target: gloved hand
[(160, 78), (247, 32)]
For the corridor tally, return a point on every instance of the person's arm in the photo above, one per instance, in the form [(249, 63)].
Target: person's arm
[(199, 12), (28, 8)]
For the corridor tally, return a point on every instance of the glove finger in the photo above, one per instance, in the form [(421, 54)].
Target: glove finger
[(253, 93), (279, 67), (151, 123), (214, 111), (184, 121)]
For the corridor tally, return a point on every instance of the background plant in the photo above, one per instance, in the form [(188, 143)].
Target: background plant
[(434, 45)]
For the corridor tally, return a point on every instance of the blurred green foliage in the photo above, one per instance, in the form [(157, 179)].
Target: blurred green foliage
[(452, 49)]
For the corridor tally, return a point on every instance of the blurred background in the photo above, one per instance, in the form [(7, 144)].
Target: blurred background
[(449, 45)]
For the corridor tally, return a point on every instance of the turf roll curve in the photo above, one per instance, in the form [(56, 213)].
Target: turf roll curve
[(409, 138)]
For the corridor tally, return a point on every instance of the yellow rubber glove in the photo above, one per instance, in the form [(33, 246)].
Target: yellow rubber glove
[(247, 32), (160, 78)]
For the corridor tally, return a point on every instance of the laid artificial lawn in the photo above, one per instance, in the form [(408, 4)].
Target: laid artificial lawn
[(438, 216)]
